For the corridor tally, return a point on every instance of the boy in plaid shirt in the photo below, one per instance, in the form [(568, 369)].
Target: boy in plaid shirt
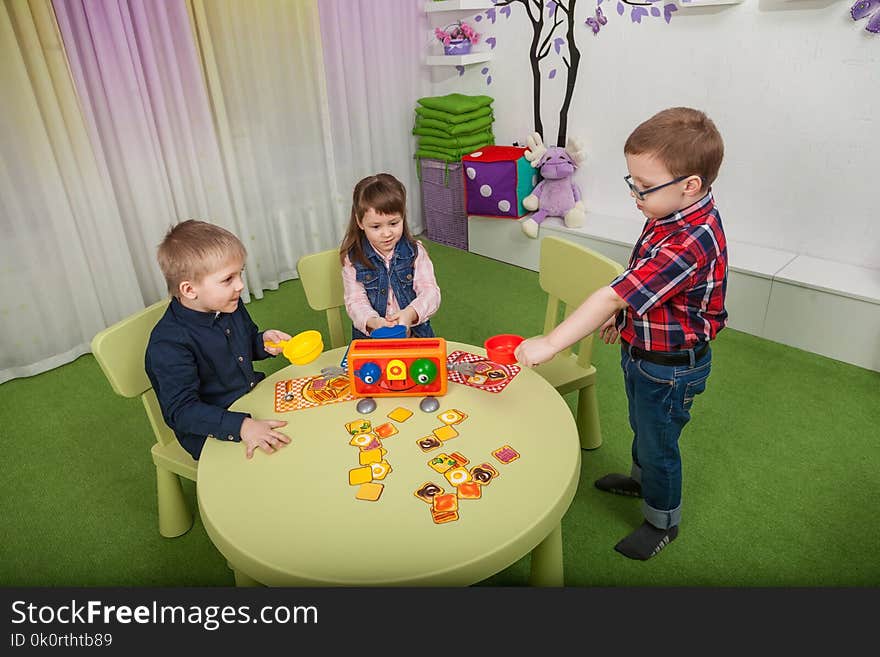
[(665, 307)]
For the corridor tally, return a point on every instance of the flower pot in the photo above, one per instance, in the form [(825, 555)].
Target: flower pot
[(457, 47)]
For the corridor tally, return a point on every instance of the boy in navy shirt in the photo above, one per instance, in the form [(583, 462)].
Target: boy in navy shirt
[(200, 355), (665, 307)]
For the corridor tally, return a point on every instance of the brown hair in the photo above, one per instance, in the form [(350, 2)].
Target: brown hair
[(684, 139), (384, 194), (193, 249)]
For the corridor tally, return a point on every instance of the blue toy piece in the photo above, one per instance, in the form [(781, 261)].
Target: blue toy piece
[(398, 331), (369, 373)]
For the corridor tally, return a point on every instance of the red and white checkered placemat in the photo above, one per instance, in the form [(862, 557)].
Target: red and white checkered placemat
[(311, 391), (489, 375)]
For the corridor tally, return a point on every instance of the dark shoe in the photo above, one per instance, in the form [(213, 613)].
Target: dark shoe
[(646, 541), (619, 485)]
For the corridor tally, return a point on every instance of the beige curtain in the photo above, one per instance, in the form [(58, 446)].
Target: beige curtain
[(64, 271), (265, 75)]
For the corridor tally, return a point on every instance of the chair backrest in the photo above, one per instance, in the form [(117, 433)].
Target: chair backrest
[(321, 276), (120, 349), (569, 273)]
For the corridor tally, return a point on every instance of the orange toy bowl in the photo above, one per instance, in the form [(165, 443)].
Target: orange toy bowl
[(500, 348)]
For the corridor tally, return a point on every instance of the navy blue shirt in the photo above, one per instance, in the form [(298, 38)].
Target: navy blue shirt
[(199, 363)]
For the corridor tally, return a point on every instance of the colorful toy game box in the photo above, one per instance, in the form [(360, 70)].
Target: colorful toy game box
[(397, 367)]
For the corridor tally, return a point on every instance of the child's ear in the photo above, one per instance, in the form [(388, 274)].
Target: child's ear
[(187, 290), (694, 185)]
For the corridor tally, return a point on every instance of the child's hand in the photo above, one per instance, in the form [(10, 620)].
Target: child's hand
[(534, 351), (275, 336), (377, 322), (609, 331), (407, 317), (262, 434)]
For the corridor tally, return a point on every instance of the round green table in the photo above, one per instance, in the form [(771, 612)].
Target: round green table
[(291, 518)]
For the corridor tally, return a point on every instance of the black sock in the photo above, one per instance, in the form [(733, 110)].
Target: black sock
[(620, 485), (646, 541)]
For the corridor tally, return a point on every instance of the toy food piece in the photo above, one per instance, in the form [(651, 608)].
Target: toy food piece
[(501, 348), (302, 348)]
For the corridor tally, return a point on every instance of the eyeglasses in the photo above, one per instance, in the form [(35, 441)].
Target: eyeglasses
[(641, 193)]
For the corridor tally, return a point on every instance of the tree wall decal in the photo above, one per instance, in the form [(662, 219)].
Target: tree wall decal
[(544, 39), (541, 44)]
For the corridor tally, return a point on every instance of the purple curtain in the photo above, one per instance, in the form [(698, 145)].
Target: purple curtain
[(138, 77)]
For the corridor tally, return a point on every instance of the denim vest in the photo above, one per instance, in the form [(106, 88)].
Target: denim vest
[(399, 275)]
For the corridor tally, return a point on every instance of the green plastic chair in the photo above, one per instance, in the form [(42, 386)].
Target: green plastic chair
[(321, 276), (569, 273), (119, 350)]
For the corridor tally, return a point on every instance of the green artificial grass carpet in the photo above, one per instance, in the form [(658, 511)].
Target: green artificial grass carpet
[(780, 464)]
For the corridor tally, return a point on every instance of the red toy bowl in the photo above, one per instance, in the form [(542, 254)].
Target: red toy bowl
[(500, 348)]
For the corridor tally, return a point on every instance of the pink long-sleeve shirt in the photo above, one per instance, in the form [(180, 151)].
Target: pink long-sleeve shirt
[(425, 304)]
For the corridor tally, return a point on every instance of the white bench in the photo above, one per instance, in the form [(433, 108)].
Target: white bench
[(821, 306)]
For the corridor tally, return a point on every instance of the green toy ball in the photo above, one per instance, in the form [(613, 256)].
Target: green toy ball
[(423, 371)]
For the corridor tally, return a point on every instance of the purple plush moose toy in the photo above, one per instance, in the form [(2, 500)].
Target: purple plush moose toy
[(557, 195)]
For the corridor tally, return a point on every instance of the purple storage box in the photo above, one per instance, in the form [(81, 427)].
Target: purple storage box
[(443, 202)]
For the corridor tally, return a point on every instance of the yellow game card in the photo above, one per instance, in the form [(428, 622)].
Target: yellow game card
[(371, 456), (452, 416), (358, 426), (483, 474), (459, 458), (445, 432), (400, 414), (385, 430), (445, 502), (360, 475), (369, 492), (427, 443), (457, 476), (380, 470), (441, 463), (470, 490), (362, 439), (427, 491), (444, 516), (506, 454)]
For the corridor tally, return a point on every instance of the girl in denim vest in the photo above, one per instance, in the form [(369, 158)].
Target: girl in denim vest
[(387, 275)]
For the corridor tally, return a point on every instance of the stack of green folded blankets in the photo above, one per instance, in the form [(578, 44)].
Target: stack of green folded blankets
[(454, 125)]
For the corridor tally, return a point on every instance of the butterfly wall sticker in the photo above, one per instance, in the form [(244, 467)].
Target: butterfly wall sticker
[(869, 9), (600, 20)]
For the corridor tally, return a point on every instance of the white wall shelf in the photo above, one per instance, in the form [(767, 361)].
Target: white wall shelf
[(458, 5), (459, 60)]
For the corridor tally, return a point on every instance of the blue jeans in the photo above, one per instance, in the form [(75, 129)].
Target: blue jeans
[(660, 399)]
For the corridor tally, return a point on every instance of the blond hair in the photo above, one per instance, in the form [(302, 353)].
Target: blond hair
[(193, 249), (685, 140), (382, 193)]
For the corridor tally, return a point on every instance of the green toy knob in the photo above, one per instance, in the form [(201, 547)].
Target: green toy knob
[(423, 371)]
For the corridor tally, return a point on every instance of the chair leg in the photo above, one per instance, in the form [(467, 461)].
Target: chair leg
[(175, 517), (547, 565), (587, 419)]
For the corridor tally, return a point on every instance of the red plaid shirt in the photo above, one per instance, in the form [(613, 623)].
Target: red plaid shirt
[(676, 281)]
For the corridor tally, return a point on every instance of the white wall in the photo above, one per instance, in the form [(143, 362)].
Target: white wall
[(794, 87)]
